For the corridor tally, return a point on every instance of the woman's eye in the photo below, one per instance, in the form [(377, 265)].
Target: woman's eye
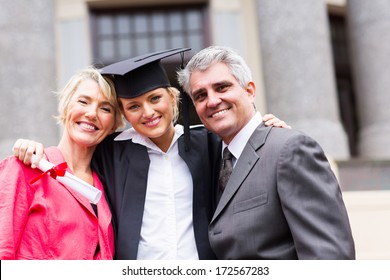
[(82, 101), (132, 107), (156, 98), (106, 109)]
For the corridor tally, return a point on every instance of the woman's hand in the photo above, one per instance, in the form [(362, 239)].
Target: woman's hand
[(270, 119), (28, 151)]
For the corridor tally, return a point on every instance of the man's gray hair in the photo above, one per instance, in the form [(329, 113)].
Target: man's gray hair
[(211, 55)]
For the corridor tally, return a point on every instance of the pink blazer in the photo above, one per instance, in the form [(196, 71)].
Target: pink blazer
[(47, 220)]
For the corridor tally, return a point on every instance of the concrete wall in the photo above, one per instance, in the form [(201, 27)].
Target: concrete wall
[(27, 74)]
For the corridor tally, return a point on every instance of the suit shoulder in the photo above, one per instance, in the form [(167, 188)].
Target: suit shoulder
[(291, 139), (112, 136), (198, 129), (287, 133), (108, 145), (201, 131), (285, 137)]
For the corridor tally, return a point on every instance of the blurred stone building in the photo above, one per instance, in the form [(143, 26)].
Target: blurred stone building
[(320, 65)]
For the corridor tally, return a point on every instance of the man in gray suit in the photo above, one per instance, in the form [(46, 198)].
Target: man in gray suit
[(282, 201)]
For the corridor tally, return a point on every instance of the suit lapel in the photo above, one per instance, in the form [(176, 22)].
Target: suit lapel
[(243, 167)]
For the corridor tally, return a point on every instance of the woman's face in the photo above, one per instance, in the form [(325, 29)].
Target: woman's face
[(151, 115), (90, 116)]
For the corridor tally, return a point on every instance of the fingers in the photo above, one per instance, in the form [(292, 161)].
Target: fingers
[(38, 155), (15, 148), (24, 150), (271, 120), (19, 148), (268, 117), (281, 124)]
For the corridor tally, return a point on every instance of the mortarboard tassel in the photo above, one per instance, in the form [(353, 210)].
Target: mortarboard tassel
[(185, 111)]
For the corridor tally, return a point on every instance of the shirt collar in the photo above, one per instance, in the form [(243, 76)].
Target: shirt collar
[(238, 143), (132, 134)]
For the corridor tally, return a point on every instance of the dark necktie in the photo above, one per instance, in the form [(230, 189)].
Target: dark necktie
[(226, 169)]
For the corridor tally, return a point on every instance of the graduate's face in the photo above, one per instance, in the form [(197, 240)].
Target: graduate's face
[(151, 115), (90, 116), (223, 106)]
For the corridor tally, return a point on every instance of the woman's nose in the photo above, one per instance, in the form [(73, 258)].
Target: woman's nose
[(148, 110), (91, 113)]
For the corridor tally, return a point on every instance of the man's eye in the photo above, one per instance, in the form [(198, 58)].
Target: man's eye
[(200, 97), (222, 88)]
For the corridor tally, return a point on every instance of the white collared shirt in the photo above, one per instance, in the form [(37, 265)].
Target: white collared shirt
[(167, 230), (237, 145)]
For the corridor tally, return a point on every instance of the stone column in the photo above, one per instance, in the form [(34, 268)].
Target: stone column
[(27, 73), (234, 24), (298, 70), (369, 40)]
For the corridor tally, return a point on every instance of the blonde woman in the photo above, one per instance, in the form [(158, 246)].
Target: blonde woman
[(48, 220)]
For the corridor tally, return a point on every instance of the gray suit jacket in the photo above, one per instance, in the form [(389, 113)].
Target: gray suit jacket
[(282, 201)]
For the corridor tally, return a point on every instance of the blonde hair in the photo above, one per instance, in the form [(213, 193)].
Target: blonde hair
[(175, 93), (105, 85)]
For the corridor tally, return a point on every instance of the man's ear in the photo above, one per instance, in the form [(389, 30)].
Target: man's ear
[(251, 89)]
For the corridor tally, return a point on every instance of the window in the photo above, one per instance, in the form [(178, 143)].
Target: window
[(123, 33), (119, 34)]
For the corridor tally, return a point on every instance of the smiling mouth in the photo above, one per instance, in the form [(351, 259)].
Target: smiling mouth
[(219, 113), (87, 126), (152, 122)]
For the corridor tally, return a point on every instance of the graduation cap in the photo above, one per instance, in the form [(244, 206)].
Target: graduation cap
[(136, 76)]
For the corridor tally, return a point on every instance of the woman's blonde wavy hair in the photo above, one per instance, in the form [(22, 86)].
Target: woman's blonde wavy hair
[(105, 85)]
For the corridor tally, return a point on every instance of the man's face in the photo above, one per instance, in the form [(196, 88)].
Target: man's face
[(223, 106)]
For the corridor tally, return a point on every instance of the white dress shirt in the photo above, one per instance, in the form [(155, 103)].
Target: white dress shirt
[(167, 227), (238, 143)]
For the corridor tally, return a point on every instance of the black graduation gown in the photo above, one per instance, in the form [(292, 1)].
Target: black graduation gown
[(123, 169)]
